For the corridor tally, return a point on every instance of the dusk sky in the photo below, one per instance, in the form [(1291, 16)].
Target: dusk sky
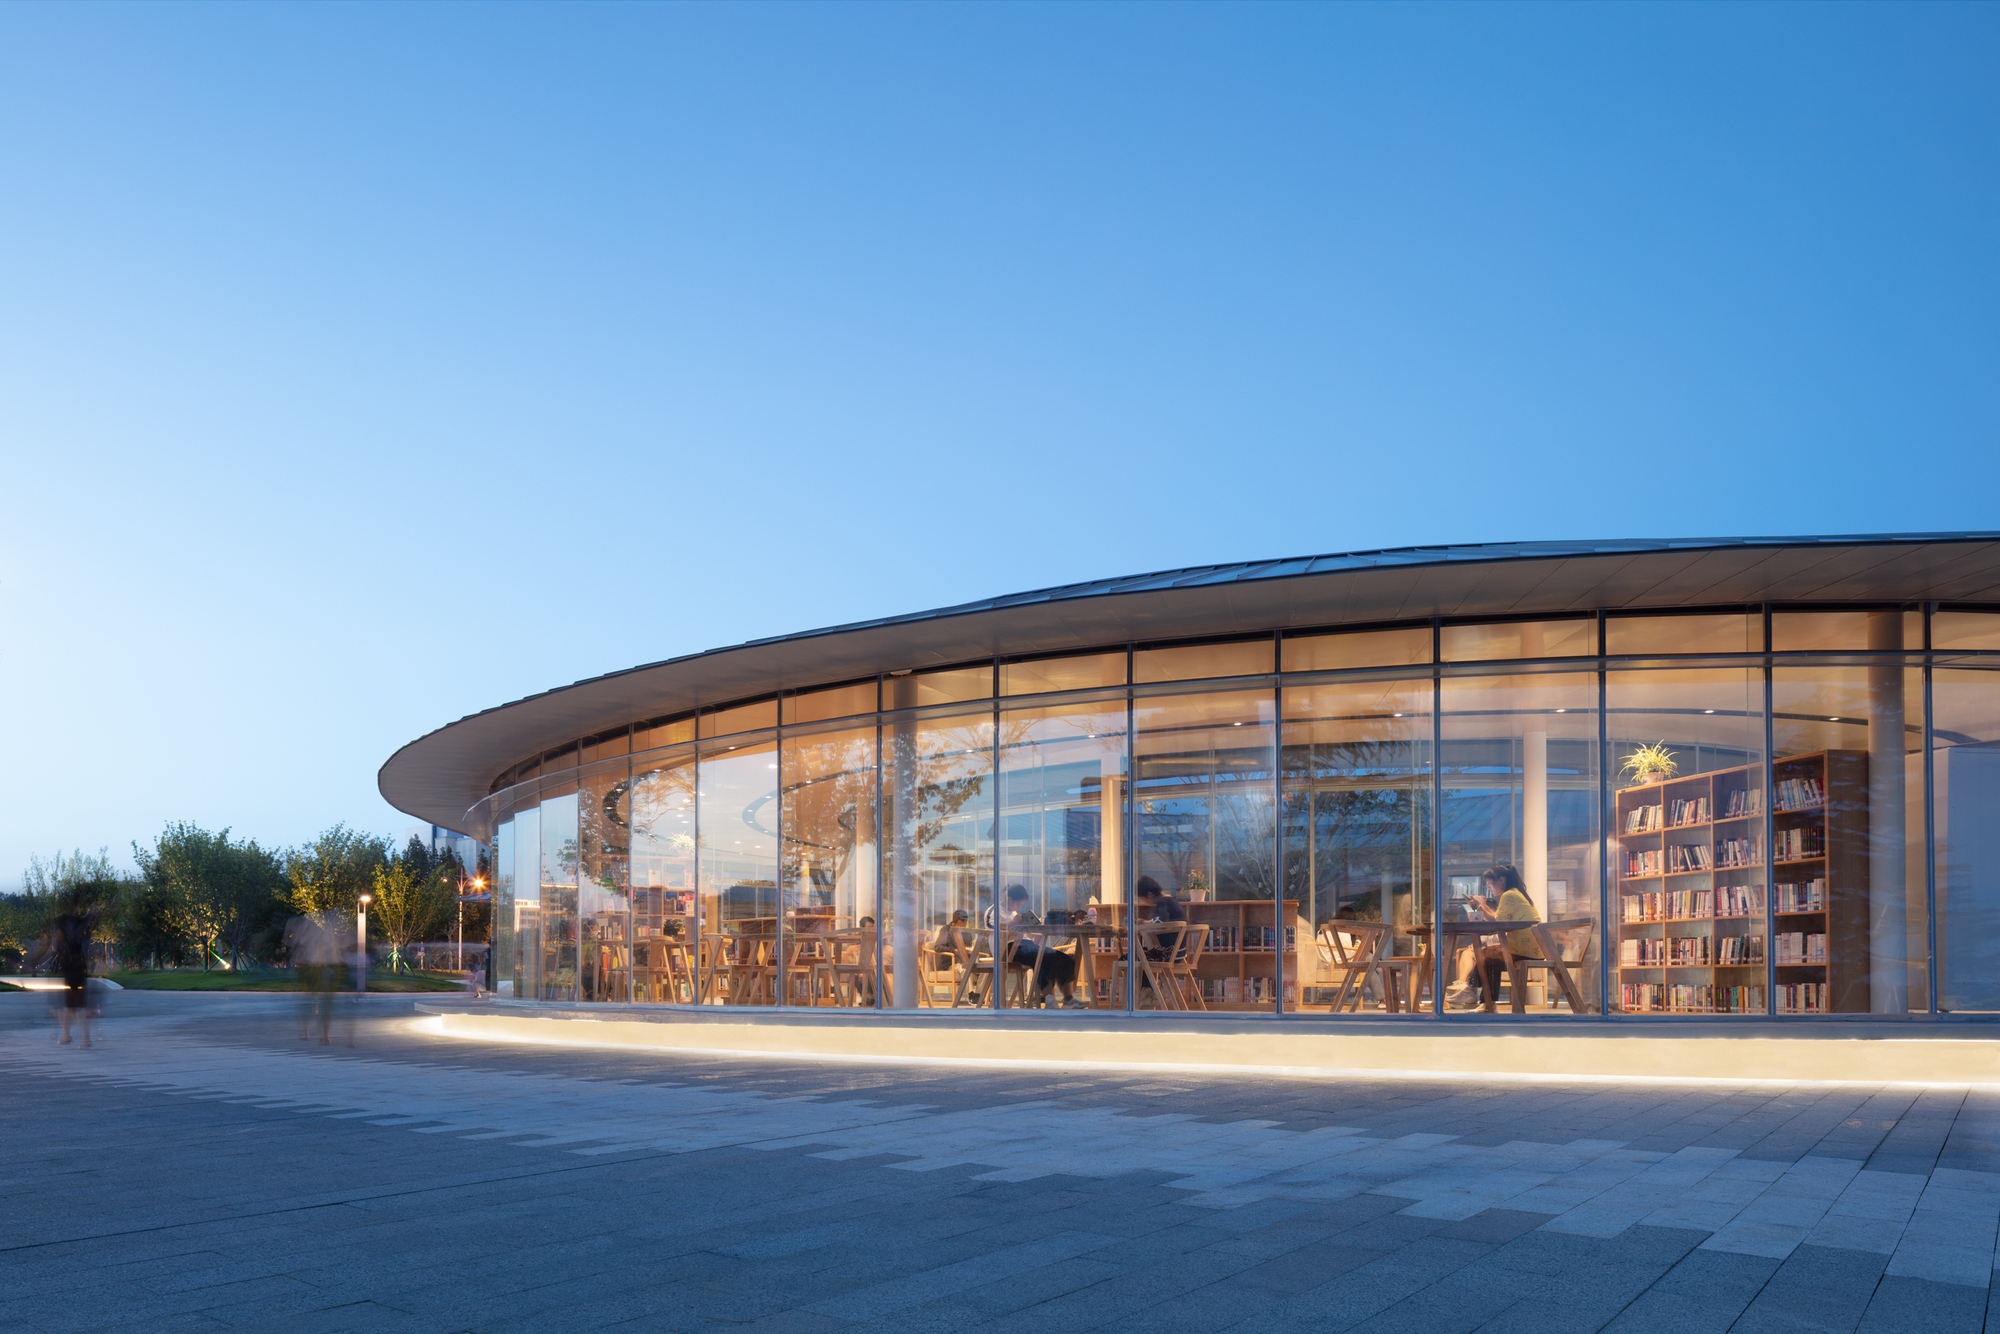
[(366, 366)]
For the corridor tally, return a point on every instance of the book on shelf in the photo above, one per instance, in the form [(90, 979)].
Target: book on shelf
[(1680, 998), (1738, 851), (1795, 845), (1744, 801), (1738, 951), (1642, 819), (1739, 900), (1688, 810), (1801, 947), (1803, 896), (1797, 794), (1802, 998), (1689, 857), (1652, 861)]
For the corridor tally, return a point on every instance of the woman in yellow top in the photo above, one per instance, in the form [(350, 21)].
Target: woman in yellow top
[(1507, 900)]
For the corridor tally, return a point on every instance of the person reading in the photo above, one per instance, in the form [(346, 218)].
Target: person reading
[(1049, 968), (1505, 900)]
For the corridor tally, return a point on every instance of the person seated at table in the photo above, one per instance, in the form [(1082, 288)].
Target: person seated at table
[(1049, 968), (1505, 900), (1163, 907), (955, 936)]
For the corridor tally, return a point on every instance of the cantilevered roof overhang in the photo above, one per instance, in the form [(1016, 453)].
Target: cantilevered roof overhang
[(438, 777)]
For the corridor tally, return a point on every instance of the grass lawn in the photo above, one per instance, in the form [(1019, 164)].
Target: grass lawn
[(187, 979), (9, 986)]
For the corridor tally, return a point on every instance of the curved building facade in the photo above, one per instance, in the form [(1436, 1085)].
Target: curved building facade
[(1725, 777)]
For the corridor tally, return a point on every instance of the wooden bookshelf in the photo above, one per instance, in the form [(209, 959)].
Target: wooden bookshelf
[(1700, 906), (1238, 963)]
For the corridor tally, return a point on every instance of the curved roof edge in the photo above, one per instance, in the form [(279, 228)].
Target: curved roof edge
[(439, 776)]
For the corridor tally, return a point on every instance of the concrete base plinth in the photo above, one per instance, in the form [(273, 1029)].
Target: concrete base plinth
[(1553, 1050)]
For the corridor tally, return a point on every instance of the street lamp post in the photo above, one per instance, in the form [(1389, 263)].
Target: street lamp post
[(361, 943)]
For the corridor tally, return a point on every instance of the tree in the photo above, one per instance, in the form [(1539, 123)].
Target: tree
[(413, 896), (84, 885), (214, 892), (330, 874)]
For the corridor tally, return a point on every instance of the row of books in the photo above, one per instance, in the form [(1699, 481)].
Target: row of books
[(1804, 896), (1689, 810), (1794, 845), (1674, 859), (1249, 939), (1743, 801), (1685, 904), (1801, 947), (1739, 851), (1642, 818), (1802, 998), (1797, 794), (1676, 998), (1691, 952)]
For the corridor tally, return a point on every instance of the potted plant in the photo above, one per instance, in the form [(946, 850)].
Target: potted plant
[(1649, 764)]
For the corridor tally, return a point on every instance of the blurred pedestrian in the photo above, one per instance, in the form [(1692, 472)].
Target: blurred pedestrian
[(70, 943)]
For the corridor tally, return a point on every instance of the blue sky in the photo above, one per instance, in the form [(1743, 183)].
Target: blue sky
[(365, 366)]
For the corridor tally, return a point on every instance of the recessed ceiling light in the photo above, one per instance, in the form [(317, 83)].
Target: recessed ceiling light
[(1708, 710)]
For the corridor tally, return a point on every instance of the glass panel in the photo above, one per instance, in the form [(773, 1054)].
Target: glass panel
[(1061, 844), (560, 869), (1689, 884), (606, 747), (1721, 632), (528, 903), (1206, 838), (1089, 671), (675, 733), (604, 915), (1833, 631), (556, 761), (1847, 801), (1967, 765), (955, 685), (1517, 639), (737, 823), (837, 702), (1974, 631), (937, 829), (667, 942), (1194, 662), (501, 965), (742, 718), (1520, 841), (1356, 824), (828, 866), (1365, 648)]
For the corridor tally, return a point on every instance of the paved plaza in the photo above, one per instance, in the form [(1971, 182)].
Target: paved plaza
[(201, 1168)]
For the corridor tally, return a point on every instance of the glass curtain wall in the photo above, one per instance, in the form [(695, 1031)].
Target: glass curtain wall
[(561, 867), (1205, 832), (828, 865), (1060, 838), (938, 857), (1966, 767), (1356, 822), (500, 965), (737, 824), (528, 899), (669, 958), (1847, 818), (1518, 821), (1690, 893), (604, 907)]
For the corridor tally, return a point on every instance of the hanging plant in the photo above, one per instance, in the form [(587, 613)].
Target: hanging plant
[(1650, 764)]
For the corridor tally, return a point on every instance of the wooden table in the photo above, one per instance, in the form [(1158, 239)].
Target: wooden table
[(1517, 968), (1041, 933)]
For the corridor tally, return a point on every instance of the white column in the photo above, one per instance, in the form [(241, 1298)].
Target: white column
[(904, 927), (1111, 840), (1888, 927), (1535, 819)]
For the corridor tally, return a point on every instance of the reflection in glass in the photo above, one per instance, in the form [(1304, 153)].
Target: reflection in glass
[(1965, 631), (604, 910), (1701, 632), (1204, 827), (658, 811), (1060, 837), (1356, 830), (1520, 789), (1043, 676), (828, 867), (737, 823), (937, 829), (528, 901), (741, 718), (833, 702), (1690, 889), (1833, 631), (560, 869), (1193, 662), (501, 963), (1967, 769), (1517, 639), (1847, 802), (1358, 648)]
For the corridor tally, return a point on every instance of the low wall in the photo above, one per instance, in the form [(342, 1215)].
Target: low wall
[(1811, 1052)]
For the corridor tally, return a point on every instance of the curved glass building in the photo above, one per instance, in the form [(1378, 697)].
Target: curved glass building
[(1726, 777)]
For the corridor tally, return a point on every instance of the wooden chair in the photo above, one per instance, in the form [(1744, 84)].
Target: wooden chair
[(849, 971), (1553, 963), (937, 967), (1178, 969), (1164, 938), (1360, 952)]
